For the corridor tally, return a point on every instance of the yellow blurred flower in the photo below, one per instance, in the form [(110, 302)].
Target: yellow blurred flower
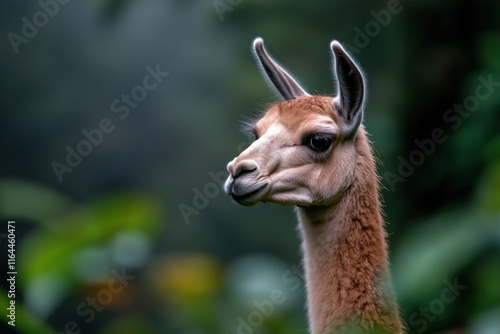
[(187, 276)]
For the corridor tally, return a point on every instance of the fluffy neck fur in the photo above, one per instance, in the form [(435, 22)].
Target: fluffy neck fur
[(345, 258)]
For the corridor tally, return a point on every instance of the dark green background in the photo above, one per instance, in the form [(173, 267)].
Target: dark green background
[(121, 207)]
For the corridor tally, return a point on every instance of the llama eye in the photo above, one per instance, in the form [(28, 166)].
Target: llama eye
[(319, 142)]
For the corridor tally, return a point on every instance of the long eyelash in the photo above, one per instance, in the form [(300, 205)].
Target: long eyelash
[(306, 138), (249, 122), (322, 157), (248, 126)]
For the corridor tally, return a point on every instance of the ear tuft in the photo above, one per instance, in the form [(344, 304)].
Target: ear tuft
[(336, 47), (258, 43)]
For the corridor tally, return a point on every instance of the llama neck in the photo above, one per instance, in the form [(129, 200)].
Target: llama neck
[(345, 259)]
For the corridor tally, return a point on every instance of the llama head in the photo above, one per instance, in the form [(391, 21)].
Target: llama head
[(304, 153)]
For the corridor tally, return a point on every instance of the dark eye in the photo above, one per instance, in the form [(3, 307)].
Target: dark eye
[(319, 142)]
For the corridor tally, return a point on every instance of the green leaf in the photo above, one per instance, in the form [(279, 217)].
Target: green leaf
[(52, 252), (435, 251), (24, 321), (22, 199), (488, 194)]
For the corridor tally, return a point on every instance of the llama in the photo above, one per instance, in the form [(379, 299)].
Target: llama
[(313, 152)]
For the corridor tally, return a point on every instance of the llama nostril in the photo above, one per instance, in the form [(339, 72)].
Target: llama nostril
[(244, 167), (242, 171)]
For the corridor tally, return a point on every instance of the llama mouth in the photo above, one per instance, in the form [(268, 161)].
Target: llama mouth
[(246, 199)]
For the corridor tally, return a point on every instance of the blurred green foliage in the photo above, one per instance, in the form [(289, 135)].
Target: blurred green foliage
[(217, 271)]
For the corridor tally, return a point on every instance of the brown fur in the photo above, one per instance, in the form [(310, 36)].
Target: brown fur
[(345, 256), (337, 200), (296, 113)]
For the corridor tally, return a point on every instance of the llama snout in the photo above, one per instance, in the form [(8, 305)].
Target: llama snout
[(242, 183)]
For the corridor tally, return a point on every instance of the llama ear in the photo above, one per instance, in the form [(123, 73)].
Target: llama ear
[(282, 81), (350, 88)]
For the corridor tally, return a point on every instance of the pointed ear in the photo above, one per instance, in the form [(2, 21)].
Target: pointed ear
[(350, 88), (282, 81)]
